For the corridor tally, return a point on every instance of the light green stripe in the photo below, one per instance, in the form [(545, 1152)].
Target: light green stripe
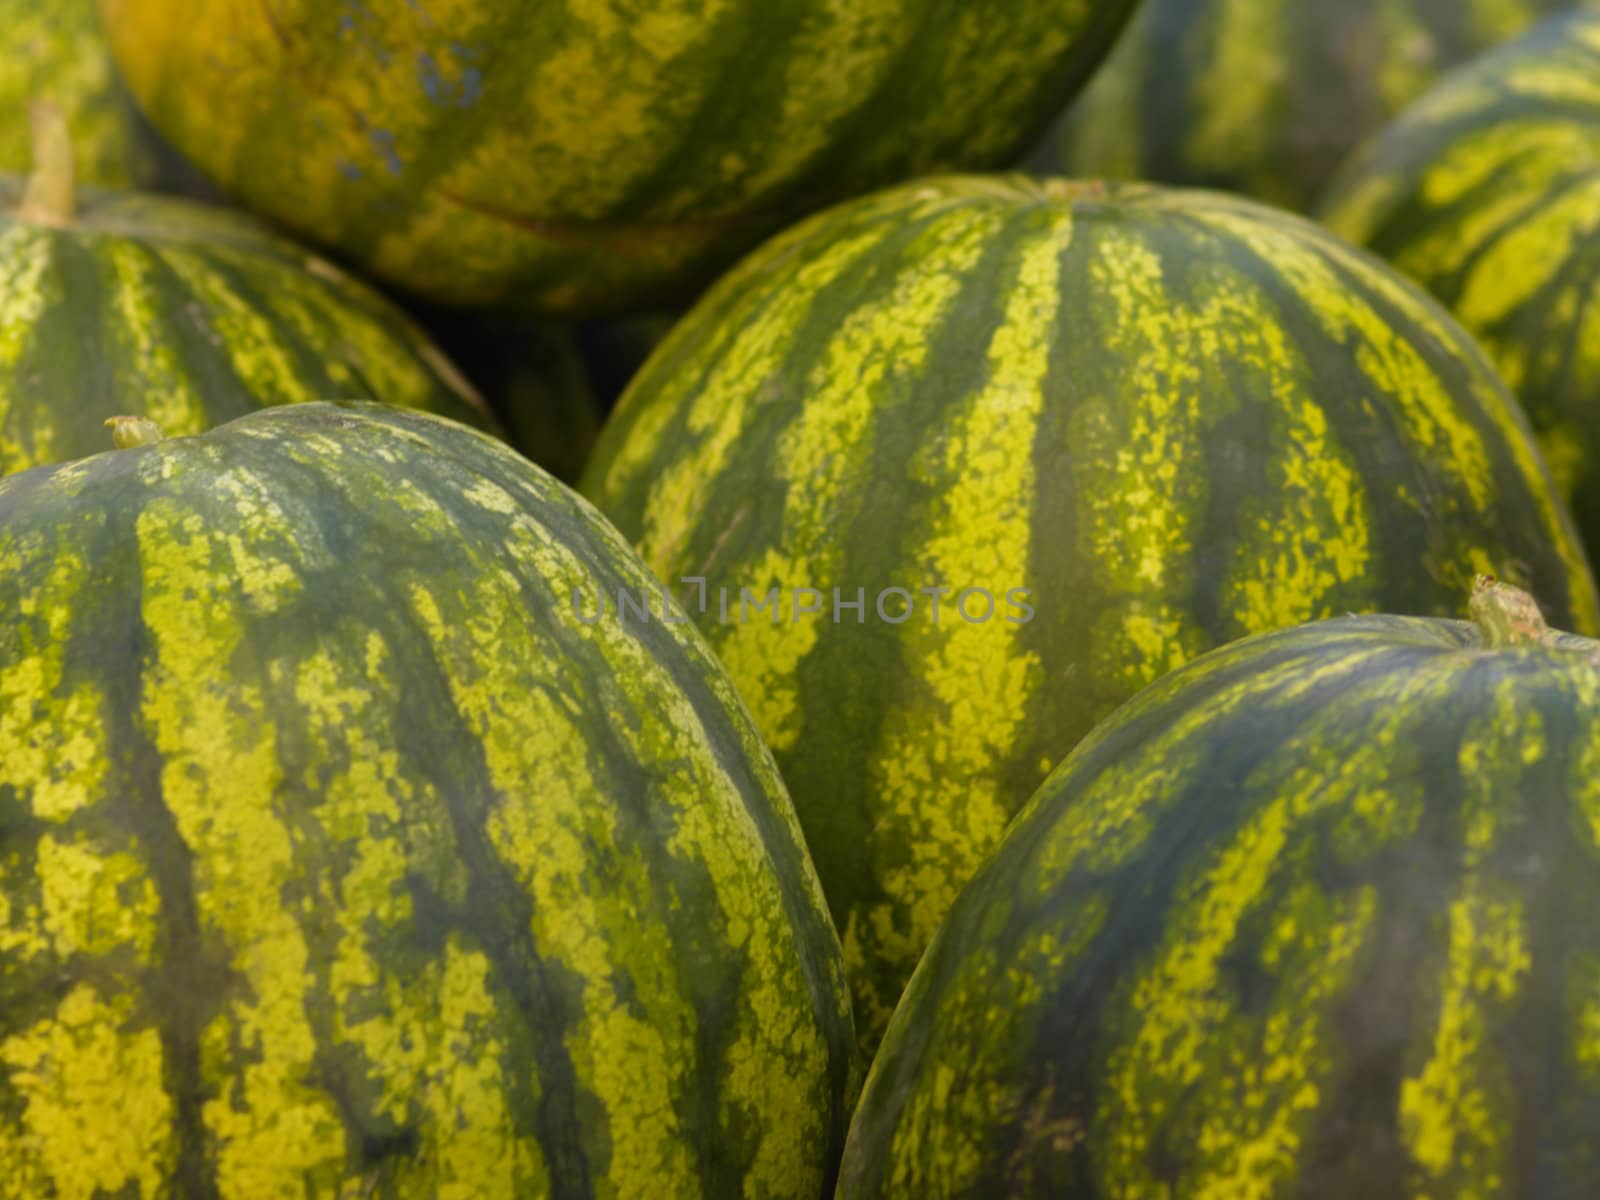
[(938, 805)]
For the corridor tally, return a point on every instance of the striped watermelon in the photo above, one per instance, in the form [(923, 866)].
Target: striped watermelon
[(577, 155), (1313, 916), (1170, 418), (124, 303), (338, 858), (53, 50), (1487, 191), (1266, 96)]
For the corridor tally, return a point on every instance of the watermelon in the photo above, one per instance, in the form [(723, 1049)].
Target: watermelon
[(1118, 425), (1311, 917), (1266, 97), (125, 303), (583, 155), (1487, 191), (340, 857)]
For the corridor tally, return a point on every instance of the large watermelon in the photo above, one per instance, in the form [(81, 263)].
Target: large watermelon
[(1171, 418), (338, 857), (1266, 96), (120, 303), (1488, 192), (53, 50), (582, 154), (1312, 917)]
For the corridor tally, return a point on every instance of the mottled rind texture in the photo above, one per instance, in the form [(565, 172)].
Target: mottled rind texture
[(1266, 97), (1487, 191), (578, 155), (1176, 418), (54, 50), (1312, 917), (339, 857), (191, 316)]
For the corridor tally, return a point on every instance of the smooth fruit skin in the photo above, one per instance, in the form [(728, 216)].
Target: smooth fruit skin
[(579, 156), (54, 50), (1174, 418), (1311, 917), (1487, 191), (190, 315), (1265, 97), (339, 858)]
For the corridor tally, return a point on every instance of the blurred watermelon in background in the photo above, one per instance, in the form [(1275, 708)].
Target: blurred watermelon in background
[(1487, 191), (1266, 97), (579, 156)]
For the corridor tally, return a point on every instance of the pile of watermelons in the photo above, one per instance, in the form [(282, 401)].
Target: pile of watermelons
[(1071, 681)]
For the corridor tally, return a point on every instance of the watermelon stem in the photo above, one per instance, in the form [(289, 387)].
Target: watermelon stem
[(128, 432), (50, 198), (1506, 615)]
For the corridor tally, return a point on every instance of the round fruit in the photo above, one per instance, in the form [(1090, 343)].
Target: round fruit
[(1487, 191), (1311, 917), (119, 303), (338, 858), (586, 156), (1265, 97), (1118, 426)]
